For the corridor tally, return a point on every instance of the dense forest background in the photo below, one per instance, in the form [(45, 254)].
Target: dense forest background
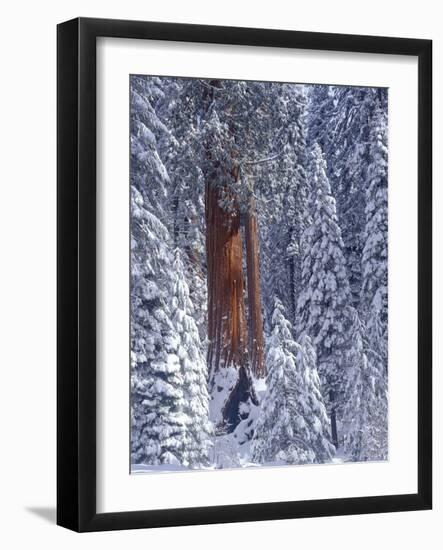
[(258, 273)]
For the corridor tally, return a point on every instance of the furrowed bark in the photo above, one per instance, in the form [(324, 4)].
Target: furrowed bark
[(227, 330), (255, 318)]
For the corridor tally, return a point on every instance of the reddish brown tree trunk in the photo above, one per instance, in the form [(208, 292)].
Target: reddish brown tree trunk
[(255, 327), (227, 330)]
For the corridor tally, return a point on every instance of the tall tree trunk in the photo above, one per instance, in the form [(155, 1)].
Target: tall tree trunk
[(293, 289), (227, 330), (334, 434), (255, 327)]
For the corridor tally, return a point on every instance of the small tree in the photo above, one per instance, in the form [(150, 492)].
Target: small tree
[(365, 415), (193, 372), (312, 404), (292, 424)]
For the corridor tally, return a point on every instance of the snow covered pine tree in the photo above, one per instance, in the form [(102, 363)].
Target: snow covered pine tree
[(157, 423), (167, 411), (157, 400), (374, 292), (367, 405), (365, 415), (193, 371), (326, 294), (293, 427)]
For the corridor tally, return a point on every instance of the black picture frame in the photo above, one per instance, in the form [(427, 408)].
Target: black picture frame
[(76, 274)]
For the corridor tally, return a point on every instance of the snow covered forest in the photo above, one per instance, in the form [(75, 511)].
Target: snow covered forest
[(259, 316)]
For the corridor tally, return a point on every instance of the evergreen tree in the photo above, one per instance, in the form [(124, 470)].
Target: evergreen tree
[(365, 416), (292, 425), (284, 195), (340, 119), (366, 412), (148, 173), (323, 301), (351, 158), (193, 371), (321, 111), (312, 404), (157, 422), (182, 155), (374, 292)]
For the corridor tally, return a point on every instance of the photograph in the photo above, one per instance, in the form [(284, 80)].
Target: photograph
[(220, 284), (258, 274)]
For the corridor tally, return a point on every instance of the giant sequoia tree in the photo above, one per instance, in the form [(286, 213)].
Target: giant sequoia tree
[(227, 328), (241, 138)]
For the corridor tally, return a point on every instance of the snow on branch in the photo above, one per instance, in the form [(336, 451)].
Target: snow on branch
[(262, 161)]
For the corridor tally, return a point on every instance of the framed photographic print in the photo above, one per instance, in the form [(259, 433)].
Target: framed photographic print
[(244, 274)]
